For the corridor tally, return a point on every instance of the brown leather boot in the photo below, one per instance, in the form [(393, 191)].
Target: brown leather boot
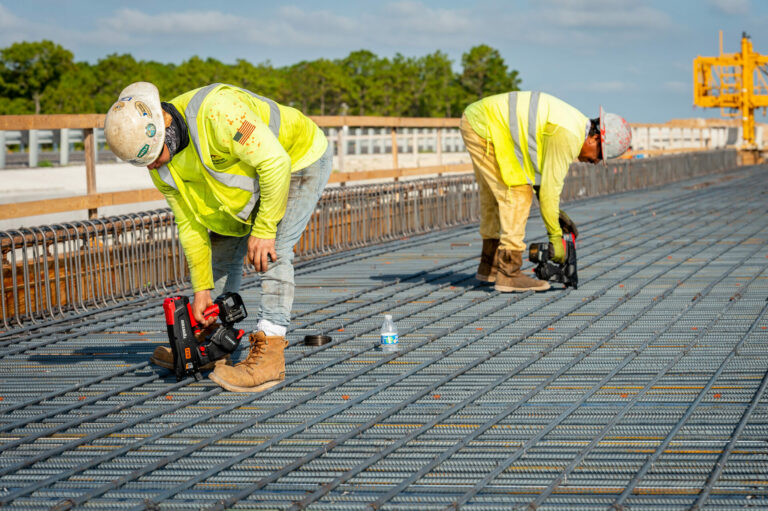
[(163, 355), (510, 278), (263, 368), (489, 261)]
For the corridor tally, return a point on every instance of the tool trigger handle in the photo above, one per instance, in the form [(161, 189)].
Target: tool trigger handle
[(211, 312)]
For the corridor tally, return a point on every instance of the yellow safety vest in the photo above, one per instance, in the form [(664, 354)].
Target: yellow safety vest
[(516, 123), (232, 190)]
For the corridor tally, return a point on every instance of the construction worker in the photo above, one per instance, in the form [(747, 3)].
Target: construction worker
[(535, 149), (242, 175)]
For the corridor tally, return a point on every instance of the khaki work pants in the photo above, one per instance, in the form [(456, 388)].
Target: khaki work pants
[(504, 210)]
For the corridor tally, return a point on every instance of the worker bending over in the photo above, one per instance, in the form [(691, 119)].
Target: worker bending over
[(517, 140), (242, 175)]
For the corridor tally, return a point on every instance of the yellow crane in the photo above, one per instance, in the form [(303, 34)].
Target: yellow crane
[(734, 82)]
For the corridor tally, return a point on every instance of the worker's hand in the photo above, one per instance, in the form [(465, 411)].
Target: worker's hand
[(567, 225), (202, 301), (258, 250), (558, 249)]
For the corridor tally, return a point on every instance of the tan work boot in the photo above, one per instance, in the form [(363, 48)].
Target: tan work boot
[(163, 355), (489, 261), (263, 368), (510, 278)]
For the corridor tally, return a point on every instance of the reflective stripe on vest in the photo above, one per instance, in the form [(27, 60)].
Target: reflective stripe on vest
[(164, 173), (232, 180), (514, 130)]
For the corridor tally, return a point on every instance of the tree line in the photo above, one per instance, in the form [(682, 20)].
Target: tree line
[(43, 78)]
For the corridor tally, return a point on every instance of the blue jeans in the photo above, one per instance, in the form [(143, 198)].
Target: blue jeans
[(277, 283)]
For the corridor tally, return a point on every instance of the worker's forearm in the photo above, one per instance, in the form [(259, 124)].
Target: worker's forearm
[(195, 242), (550, 212), (274, 183)]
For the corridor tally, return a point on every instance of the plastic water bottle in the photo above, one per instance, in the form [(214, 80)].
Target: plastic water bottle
[(389, 340)]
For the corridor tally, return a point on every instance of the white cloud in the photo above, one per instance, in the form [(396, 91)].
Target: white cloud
[(677, 87), (407, 26), (291, 25), (12, 28), (604, 86), (615, 15), (7, 19), (730, 7), (412, 16), (312, 20), (182, 23)]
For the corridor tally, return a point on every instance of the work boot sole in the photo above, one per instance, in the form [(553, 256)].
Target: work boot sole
[(236, 388), (206, 367), (485, 278), (513, 289)]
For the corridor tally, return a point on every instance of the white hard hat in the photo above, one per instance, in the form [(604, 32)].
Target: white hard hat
[(615, 135), (134, 127)]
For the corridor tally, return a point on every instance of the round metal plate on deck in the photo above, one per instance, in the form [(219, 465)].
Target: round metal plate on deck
[(316, 340)]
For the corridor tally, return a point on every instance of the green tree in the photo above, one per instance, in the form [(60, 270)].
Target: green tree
[(195, 73), (316, 86), (41, 76), (439, 86), (398, 85), (485, 73), (262, 79), (16, 106), (75, 92), (113, 73), (30, 67), (360, 67)]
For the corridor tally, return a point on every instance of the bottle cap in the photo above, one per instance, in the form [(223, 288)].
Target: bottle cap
[(387, 316)]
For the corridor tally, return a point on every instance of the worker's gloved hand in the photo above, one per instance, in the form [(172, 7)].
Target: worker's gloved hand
[(558, 249), (567, 225)]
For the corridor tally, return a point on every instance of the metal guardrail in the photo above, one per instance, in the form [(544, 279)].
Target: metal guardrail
[(49, 271), (670, 136), (32, 144), (57, 146)]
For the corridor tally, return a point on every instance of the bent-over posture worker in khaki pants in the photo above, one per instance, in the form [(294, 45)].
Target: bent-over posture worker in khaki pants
[(544, 137)]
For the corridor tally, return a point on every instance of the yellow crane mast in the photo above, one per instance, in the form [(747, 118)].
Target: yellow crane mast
[(734, 82)]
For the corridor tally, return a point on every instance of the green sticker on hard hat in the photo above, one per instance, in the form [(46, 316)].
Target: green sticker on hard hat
[(144, 150), (151, 130)]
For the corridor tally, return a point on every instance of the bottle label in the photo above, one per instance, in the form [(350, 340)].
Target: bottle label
[(388, 338)]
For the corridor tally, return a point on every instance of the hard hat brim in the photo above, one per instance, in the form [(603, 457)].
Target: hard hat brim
[(602, 133)]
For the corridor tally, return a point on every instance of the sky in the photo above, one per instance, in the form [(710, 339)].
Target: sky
[(634, 57)]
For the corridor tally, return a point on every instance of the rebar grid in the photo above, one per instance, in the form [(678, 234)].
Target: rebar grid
[(578, 389), (50, 272)]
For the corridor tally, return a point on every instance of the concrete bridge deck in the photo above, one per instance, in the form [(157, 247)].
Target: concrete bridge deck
[(644, 388)]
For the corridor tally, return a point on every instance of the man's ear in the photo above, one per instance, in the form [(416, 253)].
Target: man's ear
[(167, 118)]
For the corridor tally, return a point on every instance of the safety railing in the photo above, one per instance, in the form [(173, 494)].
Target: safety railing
[(51, 270), (395, 146)]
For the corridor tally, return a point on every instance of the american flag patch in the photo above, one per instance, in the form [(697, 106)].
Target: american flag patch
[(243, 132)]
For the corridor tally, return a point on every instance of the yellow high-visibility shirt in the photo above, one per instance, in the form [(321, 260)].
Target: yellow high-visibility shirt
[(236, 143), (560, 131)]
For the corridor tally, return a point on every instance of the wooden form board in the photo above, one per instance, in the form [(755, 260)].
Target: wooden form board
[(98, 200), (364, 175), (83, 121), (80, 202), (51, 122)]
